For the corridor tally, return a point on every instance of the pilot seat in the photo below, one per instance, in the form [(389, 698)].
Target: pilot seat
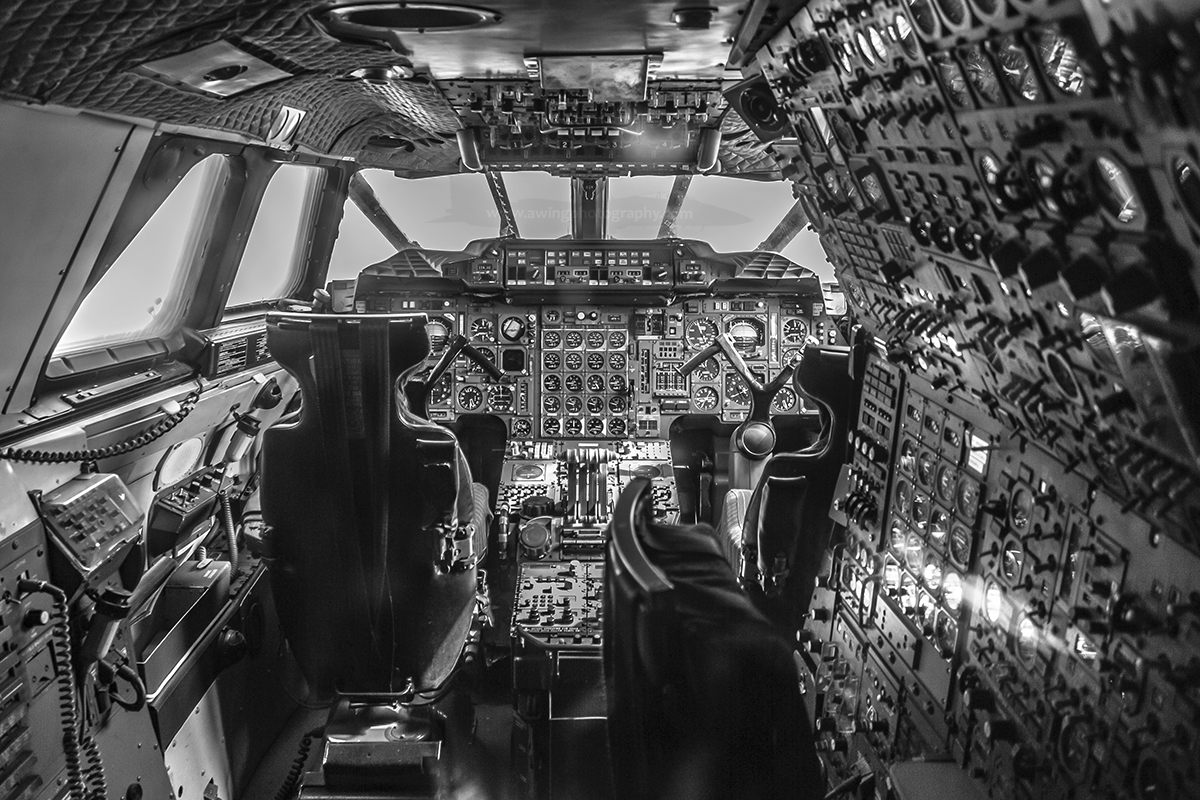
[(375, 534)]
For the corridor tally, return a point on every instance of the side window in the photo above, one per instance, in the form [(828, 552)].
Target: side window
[(359, 244), (273, 260), (145, 292)]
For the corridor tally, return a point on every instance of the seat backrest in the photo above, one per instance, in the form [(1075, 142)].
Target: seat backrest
[(372, 563), (702, 691)]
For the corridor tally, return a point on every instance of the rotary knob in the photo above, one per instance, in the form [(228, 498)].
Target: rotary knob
[(535, 540), (536, 506)]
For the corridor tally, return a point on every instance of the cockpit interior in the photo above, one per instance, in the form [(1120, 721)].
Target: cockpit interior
[(637, 400)]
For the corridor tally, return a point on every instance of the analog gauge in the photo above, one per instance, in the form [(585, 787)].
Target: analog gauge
[(470, 398), (931, 573), (939, 525), (903, 495), (1029, 638), (920, 510), (982, 75), (440, 392), (1061, 62), (1017, 70), (792, 356), (488, 353), (1011, 560), (574, 340), (710, 370), (552, 316), (878, 44), (954, 10), (700, 333), (1075, 745), (500, 398), (595, 404), (616, 384), (784, 401), (873, 189), (574, 383), (960, 545), (908, 456), (574, 361), (482, 330), (952, 590), (521, 428), (573, 426), (512, 328), (914, 553), (551, 361), (552, 383), (616, 404), (748, 335), (904, 36), (954, 81), (595, 340), (616, 361), (616, 340), (574, 404), (945, 483), (946, 633), (439, 333), (595, 426), (843, 56), (966, 499), (705, 398), (595, 383), (616, 427), (993, 602), (864, 47), (551, 403), (595, 361), (551, 339), (924, 16), (551, 426), (926, 462), (1020, 509), (1117, 194), (736, 390), (795, 331), (908, 593), (179, 462), (829, 180), (899, 536)]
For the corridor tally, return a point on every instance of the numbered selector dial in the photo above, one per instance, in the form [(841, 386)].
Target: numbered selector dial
[(706, 398), (470, 398), (700, 333)]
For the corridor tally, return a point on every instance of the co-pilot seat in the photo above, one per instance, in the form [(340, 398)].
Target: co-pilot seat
[(375, 534)]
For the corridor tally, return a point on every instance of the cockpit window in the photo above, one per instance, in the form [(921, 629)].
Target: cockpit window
[(439, 213), (146, 290), (541, 204), (359, 244), (732, 214), (636, 205), (273, 260)]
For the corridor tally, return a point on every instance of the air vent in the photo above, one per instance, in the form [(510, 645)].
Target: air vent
[(217, 70), (381, 22)]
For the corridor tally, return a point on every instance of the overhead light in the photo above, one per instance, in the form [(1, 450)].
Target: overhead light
[(693, 18), (218, 70), (380, 74)]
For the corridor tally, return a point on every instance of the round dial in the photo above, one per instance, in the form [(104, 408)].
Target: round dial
[(945, 483), (967, 499), (710, 370), (1011, 560), (1020, 509), (521, 428), (551, 426), (595, 383), (736, 390), (616, 405), (595, 340), (616, 384), (616, 340), (595, 405), (512, 328), (926, 463), (784, 401), (574, 426), (939, 525), (487, 353), (908, 456), (551, 403), (440, 392), (794, 330), (482, 330), (792, 356), (551, 361), (552, 383), (552, 315), (952, 590), (748, 335), (574, 383), (470, 398), (595, 361), (960, 545), (616, 427), (438, 332), (700, 333), (616, 361), (920, 510), (705, 398), (574, 339), (551, 339), (1029, 638), (574, 404), (574, 361), (595, 426), (500, 398)]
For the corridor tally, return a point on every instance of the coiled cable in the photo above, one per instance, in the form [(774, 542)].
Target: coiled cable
[(155, 431), (293, 776), (230, 533)]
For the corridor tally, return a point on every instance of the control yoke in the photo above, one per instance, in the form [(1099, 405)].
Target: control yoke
[(754, 438), (418, 389)]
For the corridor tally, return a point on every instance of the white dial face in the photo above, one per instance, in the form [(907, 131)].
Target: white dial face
[(705, 398), (438, 332), (700, 333), (747, 335), (483, 330), (794, 331)]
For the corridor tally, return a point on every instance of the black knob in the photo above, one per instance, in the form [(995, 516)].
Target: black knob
[(1001, 730), (979, 699), (1041, 268), (1006, 259), (535, 540), (36, 618), (537, 506)]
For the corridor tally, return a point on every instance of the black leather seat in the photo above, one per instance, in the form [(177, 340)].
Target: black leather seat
[(376, 528), (702, 691)]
